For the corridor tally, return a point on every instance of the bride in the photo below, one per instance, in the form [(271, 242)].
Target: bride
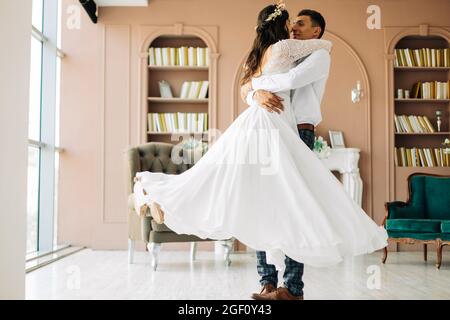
[(261, 184)]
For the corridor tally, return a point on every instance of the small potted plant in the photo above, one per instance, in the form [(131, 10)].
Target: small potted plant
[(321, 148), (193, 150)]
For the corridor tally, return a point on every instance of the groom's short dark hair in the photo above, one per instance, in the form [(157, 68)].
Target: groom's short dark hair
[(316, 18)]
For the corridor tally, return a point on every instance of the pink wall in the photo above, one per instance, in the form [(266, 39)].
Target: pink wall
[(100, 95)]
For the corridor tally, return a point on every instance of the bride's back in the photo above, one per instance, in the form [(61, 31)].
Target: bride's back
[(282, 55)]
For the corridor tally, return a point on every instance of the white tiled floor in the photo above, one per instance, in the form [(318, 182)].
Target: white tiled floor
[(107, 275)]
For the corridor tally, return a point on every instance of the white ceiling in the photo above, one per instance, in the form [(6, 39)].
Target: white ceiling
[(121, 3)]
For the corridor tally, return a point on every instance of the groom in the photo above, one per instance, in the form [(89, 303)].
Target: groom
[(307, 81)]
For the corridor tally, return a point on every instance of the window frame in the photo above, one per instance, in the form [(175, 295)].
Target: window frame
[(49, 109)]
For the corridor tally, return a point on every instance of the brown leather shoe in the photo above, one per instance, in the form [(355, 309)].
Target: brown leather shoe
[(279, 294), (267, 288)]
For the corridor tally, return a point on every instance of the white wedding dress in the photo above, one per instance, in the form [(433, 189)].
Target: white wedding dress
[(261, 184)]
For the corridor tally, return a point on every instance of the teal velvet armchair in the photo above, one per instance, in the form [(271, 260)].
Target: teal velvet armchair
[(424, 218)]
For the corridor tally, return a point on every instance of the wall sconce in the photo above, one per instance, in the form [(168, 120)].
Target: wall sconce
[(357, 92)]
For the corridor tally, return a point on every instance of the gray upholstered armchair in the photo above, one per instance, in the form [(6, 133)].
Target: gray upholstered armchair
[(156, 157)]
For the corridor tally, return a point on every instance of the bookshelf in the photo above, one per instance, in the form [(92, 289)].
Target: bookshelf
[(401, 76), (176, 35), (175, 76), (171, 128)]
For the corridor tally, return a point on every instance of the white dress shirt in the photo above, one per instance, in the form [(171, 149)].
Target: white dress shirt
[(308, 79)]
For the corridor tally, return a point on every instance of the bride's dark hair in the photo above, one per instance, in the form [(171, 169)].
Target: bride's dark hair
[(267, 33)]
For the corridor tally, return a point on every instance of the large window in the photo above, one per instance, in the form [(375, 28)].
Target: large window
[(43, 131)]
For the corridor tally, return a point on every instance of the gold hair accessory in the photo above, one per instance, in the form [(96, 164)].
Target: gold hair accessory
[(278, 11)]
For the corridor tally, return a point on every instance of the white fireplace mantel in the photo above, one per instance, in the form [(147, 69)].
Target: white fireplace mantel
[(345, 161)]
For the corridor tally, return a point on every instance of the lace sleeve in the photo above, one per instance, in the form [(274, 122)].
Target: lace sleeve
[(287, 51)]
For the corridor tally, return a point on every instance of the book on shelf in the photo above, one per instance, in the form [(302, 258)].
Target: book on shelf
[(415, 91), (203, 94), (153, 122), (164, 89), (202, 57), (173, 52), (431, 90), (423, 57), (165, 56), (185, 87), (412, 124), (194, 90), (182, 56), (421, 157), (158, 57), (192, 57), (151, 57), (177, 122)]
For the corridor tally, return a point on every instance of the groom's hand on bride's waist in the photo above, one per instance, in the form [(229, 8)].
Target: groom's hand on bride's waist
[(269, 101)]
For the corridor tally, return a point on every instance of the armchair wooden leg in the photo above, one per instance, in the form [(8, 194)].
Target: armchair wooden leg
[(439, 253), (130, 251), (193, 251), (154, 249), (425, 252), (227, 246), (385, 253)]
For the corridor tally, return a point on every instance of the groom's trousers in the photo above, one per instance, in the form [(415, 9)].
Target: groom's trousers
[(293, 273)]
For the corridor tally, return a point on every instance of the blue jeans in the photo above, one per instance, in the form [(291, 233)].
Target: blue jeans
[(293, 272)]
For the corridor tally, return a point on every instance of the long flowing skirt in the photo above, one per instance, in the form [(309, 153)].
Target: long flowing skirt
[(261, 184)]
